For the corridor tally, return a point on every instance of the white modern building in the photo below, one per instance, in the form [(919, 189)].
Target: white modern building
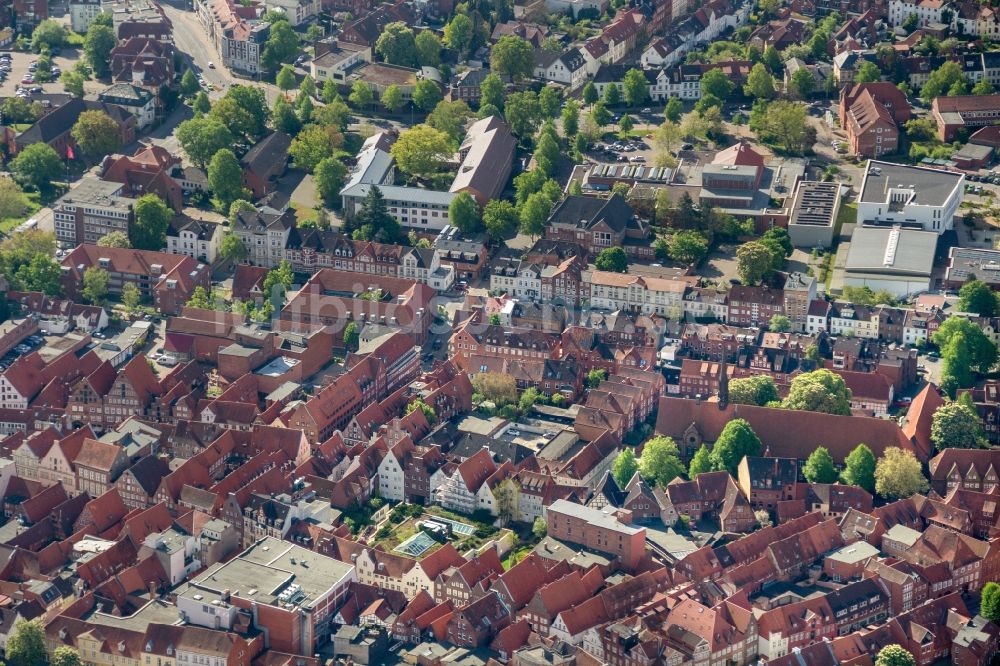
[(897, 260), (911, 196)]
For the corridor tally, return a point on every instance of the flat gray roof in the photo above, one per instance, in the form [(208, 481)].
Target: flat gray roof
[(891, 251), (592, 516), (931, 187), (264, 571), (967, 262)]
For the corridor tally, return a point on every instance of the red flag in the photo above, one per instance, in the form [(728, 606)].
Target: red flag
[(69, 152)]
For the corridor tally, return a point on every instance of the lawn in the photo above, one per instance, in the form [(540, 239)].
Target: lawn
[(403, 524), (848, 214), (8, 224), (303, 213)]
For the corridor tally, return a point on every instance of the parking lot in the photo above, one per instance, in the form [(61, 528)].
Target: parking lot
[(29, 345), (19, 66)]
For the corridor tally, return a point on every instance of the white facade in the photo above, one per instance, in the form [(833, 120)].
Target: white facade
[(188, 242), (10, 397), (81, 13), (613, 291), (297, 11), (901, 194), (848, 325), (391, 481), (927, 12)]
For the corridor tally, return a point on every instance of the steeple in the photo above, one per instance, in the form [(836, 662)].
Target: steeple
[(723, 384)]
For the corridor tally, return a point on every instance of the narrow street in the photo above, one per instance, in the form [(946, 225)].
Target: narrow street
[(193, 41)]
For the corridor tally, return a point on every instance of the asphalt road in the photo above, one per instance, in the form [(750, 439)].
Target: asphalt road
[(193, 41)]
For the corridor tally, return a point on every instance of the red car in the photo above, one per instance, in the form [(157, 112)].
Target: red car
[(27, 80)]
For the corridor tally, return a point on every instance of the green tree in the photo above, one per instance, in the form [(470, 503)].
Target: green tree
[(819, 391), (982, 352), (97, 134), (189, 83), (589, 94), (201, 105), (40, 273), (26, 643), (48, 35), (550, 101), (895, 655), (225, 178), (688, 246), (463, 212), (701, 462), (499, 218), (201, 138), (599, 114), (152, 218), (522, 112), (736, 441), (428, 411), (941, 80), (783, 122), (232, 248), (282, 43), (243, 110), (458, 34), (351, 336), (392, 98), (72, 83), (330, 91), (754, 262), (958, 426), (673, 110), (780, 324), (451, 118), (571, 118), (990, 601), (131, 296), (612, 259), (758, 390), (547, 153), (285, 79), (859, 468), (284, 118), (397, 45), (819, 467), (277, 283), (976, 296), (426, 94), (428, 49), (199, 299), (625, 126), (114, 239), (898, 474), (421, 151), (984, 87), (314, 144), (772, 59), (533, 214), (37, 166), (492, 90), (612, 95), (361, 95), (513, 57), (329, 176), (715, 82), (625, 467), (636, 87), (803, 83), (374, 213), (97, 47), (759, 83), (867, 73), (660, 462), (95, 285), (539, 528)]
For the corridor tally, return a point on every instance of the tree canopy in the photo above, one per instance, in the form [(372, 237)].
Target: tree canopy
[(819, 391), (758, 390), (736, 440), (956, 425), (660, 461), (859, 468), (898, 474), (819, 467)]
